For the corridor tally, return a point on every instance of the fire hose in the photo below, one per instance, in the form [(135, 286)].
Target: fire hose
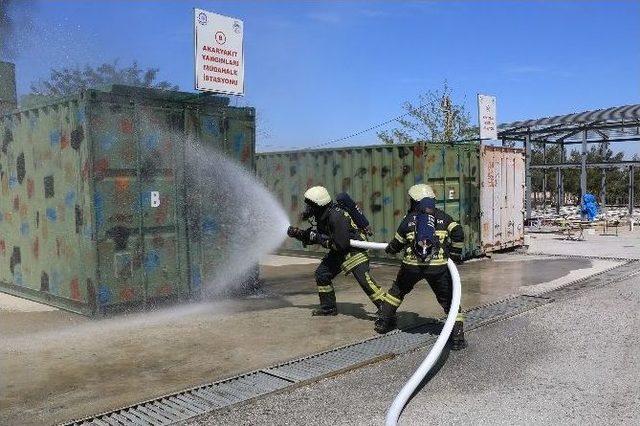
[(393, 414)]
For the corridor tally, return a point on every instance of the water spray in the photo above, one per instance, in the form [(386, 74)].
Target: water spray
[(393, 414), (238, 213)]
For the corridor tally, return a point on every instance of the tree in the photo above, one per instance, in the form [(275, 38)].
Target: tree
[(67, 81), (436, 119)]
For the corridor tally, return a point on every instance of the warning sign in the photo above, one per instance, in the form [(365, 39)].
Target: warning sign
[(487, 117), (219, 56)]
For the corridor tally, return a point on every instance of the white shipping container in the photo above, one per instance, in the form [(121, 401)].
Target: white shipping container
[(501, 198)]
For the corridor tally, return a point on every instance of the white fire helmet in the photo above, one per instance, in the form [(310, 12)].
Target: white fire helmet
[(420, 191), (318, 195)]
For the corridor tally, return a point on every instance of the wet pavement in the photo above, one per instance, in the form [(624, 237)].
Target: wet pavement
[(575, 361), (56, 365)]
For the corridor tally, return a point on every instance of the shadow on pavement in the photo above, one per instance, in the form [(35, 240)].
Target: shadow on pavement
[(415, 324), (355, 310), (432, 373)]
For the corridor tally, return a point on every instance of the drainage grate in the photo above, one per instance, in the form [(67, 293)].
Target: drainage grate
[(190, 403), (500, 310), (402, 341), (320, 365), (177, 407), (333, 361)]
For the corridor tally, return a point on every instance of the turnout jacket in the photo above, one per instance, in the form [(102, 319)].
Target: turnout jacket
[(338, 225), (450, 238)]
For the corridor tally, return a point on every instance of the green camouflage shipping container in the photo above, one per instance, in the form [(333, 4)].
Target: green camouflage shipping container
[(94, 211), (378, 178)]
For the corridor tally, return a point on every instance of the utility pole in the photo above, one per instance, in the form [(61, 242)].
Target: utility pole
[(445, 105)]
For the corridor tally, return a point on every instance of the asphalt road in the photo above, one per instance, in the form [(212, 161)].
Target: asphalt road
[(575, 361)]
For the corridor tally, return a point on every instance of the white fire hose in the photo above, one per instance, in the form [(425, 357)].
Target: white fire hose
[(407, 390)]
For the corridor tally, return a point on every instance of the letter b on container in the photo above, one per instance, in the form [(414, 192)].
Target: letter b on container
[(155, 198)]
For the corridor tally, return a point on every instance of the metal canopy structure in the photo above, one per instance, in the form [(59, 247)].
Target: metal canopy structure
[(616, 124)]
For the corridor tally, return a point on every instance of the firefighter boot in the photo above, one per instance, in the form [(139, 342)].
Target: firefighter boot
[(386, 318), (456, 340), (327, 304)]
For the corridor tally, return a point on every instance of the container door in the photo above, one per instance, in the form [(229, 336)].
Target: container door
[(452, 172), (469, 198), (160, 131), (490, 195), (501, 198), (517, 200), (230, 131), (116, 200), (513, 199), (203, 232), (506, 228)]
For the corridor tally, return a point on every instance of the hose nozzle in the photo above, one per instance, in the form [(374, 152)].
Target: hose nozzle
[(293, 231)]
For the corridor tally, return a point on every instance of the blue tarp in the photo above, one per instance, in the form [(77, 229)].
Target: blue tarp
[(590, 206)]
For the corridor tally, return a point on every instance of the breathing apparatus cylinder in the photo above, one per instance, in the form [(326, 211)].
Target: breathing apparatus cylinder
[(426, 240), (317, 198), (347, 203)]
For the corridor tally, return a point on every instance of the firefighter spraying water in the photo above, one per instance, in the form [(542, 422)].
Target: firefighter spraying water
[(334, 223), (427, 236), (430, 240)]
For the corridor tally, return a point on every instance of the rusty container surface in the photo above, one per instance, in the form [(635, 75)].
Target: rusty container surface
[(96, 211), (378, 178), (502, 198)]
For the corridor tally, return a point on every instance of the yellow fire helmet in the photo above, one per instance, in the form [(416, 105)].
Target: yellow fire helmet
[(318, 195), (420, 191)]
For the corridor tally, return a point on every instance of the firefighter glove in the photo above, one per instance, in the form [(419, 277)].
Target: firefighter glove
[(299, 234), (318, 238)]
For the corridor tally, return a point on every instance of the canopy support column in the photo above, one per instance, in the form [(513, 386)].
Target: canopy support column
[(527, 176)]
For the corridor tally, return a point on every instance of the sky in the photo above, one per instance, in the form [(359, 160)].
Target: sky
[(318, 71)]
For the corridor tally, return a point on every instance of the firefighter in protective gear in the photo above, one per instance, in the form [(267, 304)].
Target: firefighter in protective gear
[(424, 259), (334, 228)]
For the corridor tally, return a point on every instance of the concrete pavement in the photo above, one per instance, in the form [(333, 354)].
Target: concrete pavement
[(575, 361), (626, 245), (55, 365)]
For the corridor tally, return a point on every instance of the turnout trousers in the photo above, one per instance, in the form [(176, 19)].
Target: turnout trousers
[(438, 278), (356, 263)]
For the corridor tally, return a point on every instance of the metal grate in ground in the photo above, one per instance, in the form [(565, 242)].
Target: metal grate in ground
[(192, 402), (174, 408), (500, 310)]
